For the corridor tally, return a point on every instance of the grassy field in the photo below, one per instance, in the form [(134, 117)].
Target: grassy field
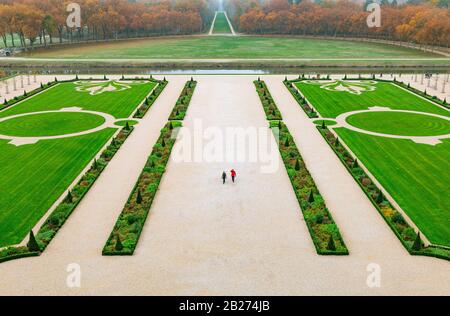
[(397, 123), (50, 124), (223, 47), (221, 25), (34, 176), (415, 175)]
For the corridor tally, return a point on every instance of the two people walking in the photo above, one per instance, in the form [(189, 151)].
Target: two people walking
[(233, 176)]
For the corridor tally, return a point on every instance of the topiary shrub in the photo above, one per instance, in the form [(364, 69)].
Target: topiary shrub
[(119, 246), (417, 246), (311, 197), (331, 245), (32, 244), (297, 165), (139, 197)]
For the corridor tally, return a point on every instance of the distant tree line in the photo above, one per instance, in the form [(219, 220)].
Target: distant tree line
[(418, 21), (25, 22)]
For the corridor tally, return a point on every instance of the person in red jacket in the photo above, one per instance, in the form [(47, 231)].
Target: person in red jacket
[(233, 175)]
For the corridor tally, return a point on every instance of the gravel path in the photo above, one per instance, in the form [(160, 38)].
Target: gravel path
[(203, 238)]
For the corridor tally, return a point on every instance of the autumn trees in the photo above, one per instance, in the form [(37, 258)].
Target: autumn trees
[(44, 20), (424, 23)]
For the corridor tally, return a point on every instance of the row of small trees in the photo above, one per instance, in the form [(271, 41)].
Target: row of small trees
[(23, 22), (425, 23)]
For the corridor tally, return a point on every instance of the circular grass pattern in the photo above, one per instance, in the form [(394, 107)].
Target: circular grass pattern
[(50, 124), (327, 122), (124, 123), (397, 123)]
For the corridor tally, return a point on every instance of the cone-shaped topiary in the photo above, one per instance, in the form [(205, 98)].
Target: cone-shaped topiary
[(163, 142), (331, 245), (69, 197), (355, 164), (280, 125), (123, 77), (324, 126), (336, 142), (286, 142), (127, 126), (104, 77), (170, 126), (380, 197), (95, 164), (42, 86), (32, 244), (76, 77), (297, 165), (139, 197), (56, 79), (118, 246), (311, 197), (417, 243)]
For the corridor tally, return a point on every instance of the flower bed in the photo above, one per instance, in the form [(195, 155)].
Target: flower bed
[(180, 109), (301, 100), (140, 113), (272, 112)]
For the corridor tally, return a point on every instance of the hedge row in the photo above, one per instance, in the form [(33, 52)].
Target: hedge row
[(125, 235), (309, 110), (406, 234), (271, 109), (62, 212), (180, 109), (324, 231), (140, 113)]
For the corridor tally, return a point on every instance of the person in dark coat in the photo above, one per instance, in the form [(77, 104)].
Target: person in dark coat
[(224, 177)]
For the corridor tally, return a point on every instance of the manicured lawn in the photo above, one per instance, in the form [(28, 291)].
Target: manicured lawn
[(50, 124), (415, 175), (221, 25), (34, 176), (219, 47), (332, 103), (397, 123)]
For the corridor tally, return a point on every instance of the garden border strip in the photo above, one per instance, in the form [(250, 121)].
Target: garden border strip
[(180, 108), (270, 108), (127, 231), (311, 202), (431, 250)]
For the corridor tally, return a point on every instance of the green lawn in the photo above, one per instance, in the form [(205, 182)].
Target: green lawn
[(415, 175), (221, 25), (219, 47), (50, 124), (34, 176), (397, 123)]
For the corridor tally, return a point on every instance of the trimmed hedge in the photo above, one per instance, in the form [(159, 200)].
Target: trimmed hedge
[(404, 232), (324, 231), (301, 100), (125, 234), (13, 253), (140, 113), (271, 109), (180, 109)]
